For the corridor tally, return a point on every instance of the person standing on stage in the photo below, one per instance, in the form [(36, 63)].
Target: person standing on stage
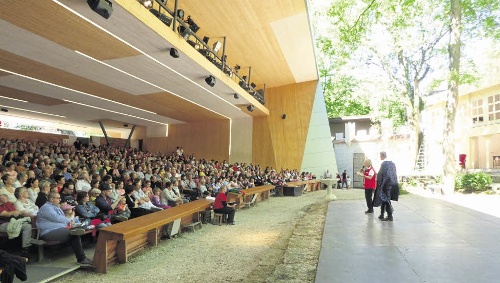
[(369, 183)]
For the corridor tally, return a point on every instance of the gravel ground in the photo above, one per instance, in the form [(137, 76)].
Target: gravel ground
[(278, 240)]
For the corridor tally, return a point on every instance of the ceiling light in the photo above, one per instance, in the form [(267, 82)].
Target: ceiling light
[(102, 7), (15, 99), (210, 80), (206, 39), (250, 107), (174, 53), (32, 111)]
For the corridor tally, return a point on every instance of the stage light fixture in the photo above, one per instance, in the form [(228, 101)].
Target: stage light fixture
[(146, 3), (184, 32), (237, 68), (180, 14), (174, 53), (283, 117), (250, 108), (216, 47), (192, 25), (210, 80), (253, 85), (101, 7), (236, 96), (206, 39)]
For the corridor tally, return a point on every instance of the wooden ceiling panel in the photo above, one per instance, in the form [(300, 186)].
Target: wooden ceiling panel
[(30, 97), (164, 104), (51, 21)]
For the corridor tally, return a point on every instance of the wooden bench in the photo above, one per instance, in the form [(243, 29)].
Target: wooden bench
[(118, 241), (261, 191), (291, 188)]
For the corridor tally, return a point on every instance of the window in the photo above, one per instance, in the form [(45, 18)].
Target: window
[(477, 111), (494, 107)]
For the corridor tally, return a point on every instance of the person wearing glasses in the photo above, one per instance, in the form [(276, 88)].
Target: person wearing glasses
[(54, 226)]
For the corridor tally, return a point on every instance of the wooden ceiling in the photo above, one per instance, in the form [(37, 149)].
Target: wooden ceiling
[(121, 71)]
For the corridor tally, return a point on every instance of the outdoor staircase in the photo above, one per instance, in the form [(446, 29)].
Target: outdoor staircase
[(421, 163)]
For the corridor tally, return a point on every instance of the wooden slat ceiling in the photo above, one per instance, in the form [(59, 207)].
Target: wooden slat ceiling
[(251, 41)]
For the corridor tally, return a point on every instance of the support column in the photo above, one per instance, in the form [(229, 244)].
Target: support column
[(104, 132), (129, 137)]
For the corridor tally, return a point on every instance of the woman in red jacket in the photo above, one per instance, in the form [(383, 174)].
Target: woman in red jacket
[(221, 205), (369, 182)]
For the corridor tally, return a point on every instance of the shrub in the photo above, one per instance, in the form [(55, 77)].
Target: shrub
[(473, 182)]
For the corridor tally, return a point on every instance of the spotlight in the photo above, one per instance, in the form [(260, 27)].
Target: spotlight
[(217, 46), (250, 107), (244, 78), (192, 25), (243, 85), (180, 14), (206, 39), (210, 80), (253, 85), (283, 117), (184, 32), (146, 3), (101, 7), (174, 53), (236, 96), (237, 68)]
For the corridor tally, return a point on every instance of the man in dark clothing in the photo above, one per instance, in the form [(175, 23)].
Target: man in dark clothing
[(387, 188), (106, 206)]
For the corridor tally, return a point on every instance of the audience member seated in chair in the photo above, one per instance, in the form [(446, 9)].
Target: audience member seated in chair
[(221, 205), (107, 206), (90, 213), (143, 200), (54, 226), (169, 197), (133, 204), (7, 212), (156, 199), (24, 203)]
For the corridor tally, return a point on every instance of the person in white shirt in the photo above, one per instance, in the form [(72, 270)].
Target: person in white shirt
[(83, 183), (143, 199)]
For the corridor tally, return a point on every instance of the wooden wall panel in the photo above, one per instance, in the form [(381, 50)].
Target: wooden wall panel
[(156, 144), (31, 136), (208, 139), (287, 136)]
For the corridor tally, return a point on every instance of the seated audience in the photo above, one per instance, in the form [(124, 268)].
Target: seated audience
[(106, 205), (43, 195), (33, 189), (24, 203), (67, 194), (8, 212), (122, 210), (133, 204), (156, 199), (221, 205), (53, 226), (168, 197), (89, 212)]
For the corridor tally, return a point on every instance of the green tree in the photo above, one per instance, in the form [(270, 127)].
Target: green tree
[(341, 99)]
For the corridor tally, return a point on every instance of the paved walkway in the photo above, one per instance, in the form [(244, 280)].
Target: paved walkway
[(430, 240)]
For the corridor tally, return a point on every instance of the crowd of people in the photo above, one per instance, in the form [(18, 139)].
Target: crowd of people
[(70, 189)]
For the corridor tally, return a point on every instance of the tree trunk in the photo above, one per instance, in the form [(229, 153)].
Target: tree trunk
[(450, 162)]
